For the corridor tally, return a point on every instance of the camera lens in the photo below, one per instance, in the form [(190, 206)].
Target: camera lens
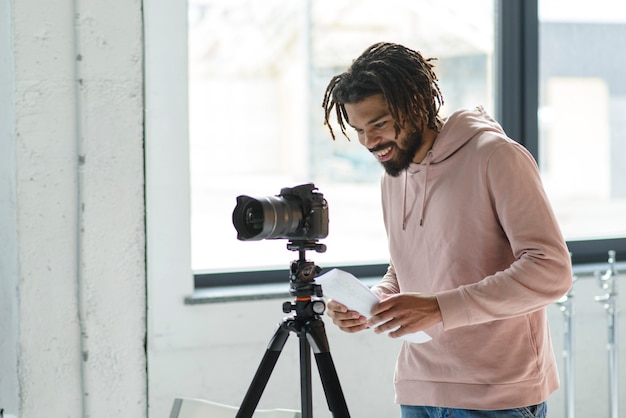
[(251, 222), (266, 217)]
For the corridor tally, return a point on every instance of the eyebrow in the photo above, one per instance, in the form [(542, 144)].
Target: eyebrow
[(374, 120)]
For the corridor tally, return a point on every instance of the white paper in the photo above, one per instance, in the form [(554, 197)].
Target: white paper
[(346, 289)]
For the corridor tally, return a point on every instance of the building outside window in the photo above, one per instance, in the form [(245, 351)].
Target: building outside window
[(582, 128)]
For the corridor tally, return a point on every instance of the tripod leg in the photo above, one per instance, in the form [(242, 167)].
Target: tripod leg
[(328, 374), (306, 398), (263, 373)]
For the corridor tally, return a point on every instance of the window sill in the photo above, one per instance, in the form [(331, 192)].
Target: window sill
[(223, 294), (241, 293)]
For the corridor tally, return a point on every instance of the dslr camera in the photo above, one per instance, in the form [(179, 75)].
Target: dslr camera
[(298, 213)]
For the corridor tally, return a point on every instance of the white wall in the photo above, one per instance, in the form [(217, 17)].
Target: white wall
[(218, 347), (72, 251), (9, 268)]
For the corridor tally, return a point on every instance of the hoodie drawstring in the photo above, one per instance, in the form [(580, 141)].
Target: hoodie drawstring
[(429, 158), (404, 201)]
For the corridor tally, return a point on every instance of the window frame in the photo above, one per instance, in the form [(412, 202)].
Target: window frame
[(517, 102)]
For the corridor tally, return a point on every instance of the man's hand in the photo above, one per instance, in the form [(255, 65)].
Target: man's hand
[(345, 319), (411, 312)]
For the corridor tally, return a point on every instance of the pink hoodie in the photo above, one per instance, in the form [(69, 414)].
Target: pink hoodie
[(472, 225)]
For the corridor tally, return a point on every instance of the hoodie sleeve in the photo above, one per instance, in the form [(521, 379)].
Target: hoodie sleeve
[(541, 270), (388, 284)]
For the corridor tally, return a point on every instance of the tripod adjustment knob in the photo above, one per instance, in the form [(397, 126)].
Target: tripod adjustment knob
[(317, 290), (287, 307), (318, 306)]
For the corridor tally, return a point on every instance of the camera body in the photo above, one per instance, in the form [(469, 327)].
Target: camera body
[(298, 213)]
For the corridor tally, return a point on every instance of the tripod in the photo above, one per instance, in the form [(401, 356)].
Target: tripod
[(307, 324)]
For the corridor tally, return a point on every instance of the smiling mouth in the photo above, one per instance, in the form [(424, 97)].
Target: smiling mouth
[(383, 153)]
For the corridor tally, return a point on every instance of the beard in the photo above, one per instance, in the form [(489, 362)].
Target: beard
[(404, 154)]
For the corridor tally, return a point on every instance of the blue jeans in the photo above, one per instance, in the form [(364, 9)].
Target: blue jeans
[(535, 411)]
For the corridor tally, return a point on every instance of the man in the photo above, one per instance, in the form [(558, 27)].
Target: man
[(476, 251)]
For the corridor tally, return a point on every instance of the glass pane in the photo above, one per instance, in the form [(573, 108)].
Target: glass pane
[(582, 136), (258, 71)]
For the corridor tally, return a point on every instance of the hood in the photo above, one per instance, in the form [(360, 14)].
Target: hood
[(458, 129)]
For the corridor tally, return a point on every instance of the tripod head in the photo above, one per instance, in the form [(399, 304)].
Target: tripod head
[(302, 272), (302, 284)]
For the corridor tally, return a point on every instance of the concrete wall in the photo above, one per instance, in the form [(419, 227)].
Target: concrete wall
[(72, 252)]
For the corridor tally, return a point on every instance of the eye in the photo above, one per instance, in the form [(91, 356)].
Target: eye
[(380, 124)]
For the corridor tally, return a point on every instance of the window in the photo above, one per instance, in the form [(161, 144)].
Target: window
[(257, 73), (582, 129)]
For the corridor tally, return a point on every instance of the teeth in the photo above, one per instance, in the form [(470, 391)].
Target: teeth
[(383, 152)]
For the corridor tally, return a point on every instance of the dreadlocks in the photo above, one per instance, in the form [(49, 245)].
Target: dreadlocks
[(401, 75)]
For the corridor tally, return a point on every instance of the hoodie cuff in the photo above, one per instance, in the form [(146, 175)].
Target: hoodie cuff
[(452, 307)]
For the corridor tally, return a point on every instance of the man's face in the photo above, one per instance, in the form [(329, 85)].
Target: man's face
[(375, 127)]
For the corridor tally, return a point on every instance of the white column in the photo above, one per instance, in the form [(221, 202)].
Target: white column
[(72, 268)]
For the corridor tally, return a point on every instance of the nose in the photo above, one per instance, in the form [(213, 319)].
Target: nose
[(369, 139)]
